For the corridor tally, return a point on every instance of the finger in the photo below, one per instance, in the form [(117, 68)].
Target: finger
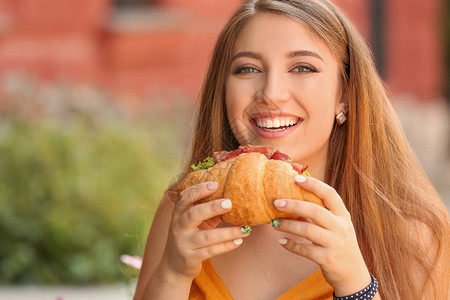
[(307, 210), (196, 214), (310, 231), (218, 249), (330, 197), (205, 238), (210, 223), (194, 193), (310, 251)]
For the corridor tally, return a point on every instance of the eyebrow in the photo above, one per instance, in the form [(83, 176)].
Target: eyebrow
[(246, 54), (289, 54), (304, 53)]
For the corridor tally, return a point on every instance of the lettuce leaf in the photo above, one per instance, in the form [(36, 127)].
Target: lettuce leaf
[(306, 173), (206, 164)]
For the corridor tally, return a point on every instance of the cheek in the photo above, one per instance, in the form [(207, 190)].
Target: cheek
[(238, 98), (323, 97), (232, 105), (322, 115), (320, 100), (240, 101), (235, 110), (325, 108)]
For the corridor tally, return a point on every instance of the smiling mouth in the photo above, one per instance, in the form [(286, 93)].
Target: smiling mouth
[(276, 124)]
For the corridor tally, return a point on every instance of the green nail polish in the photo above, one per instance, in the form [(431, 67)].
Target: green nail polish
[(246, 229), (275, 223)]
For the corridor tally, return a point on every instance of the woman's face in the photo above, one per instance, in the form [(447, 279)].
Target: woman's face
[(283, 89)]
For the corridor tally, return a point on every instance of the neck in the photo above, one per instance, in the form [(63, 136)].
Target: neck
[(318, 170), (316, 165)]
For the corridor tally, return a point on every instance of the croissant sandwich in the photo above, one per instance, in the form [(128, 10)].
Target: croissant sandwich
[(252, 177)]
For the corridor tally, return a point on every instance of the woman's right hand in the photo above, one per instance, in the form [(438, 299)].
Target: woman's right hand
[(192, 236)]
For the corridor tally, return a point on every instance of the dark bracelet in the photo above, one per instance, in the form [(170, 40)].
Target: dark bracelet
[(365, 294)]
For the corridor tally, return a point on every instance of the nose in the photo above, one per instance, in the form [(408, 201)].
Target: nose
[(274, 90)]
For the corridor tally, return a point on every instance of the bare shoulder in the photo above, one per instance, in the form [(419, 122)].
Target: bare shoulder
[(163, 214), (157, 238), (161, 220), (168, 200)]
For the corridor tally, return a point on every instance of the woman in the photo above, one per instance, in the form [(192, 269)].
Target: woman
[(303, 63)]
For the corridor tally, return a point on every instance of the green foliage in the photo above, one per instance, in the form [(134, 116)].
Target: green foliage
[(77, 192)]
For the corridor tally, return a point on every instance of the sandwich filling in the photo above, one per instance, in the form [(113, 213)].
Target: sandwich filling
[(270, 153)]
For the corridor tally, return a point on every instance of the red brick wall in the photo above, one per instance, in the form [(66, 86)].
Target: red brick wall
[(53, 38), (170, 48), (415, 48), (172, 53)]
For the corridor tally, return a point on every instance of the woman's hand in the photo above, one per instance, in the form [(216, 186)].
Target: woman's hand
[(193, 237), (330, 230)]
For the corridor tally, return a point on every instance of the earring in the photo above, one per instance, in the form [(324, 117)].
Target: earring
[(341, 118)]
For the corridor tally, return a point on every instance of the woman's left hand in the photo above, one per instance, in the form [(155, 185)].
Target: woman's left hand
[(333, 246)]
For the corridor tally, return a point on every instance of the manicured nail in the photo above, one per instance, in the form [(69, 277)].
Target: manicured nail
[(275, 223), (300, 178), (282, 241), (280, 203), (246, 229), (211, 185), (238, 241), (226, 204)]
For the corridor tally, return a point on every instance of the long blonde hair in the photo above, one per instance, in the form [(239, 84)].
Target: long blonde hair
[(370, 162)]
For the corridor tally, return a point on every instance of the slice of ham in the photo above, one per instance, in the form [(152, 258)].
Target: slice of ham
[(226, 155), (267, 151), (281, 156), (298, 167)]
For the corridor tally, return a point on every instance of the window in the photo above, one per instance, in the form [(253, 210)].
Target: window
[(134, 3)]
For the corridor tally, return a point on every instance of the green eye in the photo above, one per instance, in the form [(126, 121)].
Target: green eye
[(249, 70), (246, 70), (303, 69)]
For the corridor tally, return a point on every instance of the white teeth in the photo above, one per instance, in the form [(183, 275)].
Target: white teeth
[(275, 123)]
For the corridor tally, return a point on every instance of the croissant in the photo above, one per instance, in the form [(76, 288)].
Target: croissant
[(252, 182)]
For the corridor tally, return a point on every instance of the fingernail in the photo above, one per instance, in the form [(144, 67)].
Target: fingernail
[(280, 203), (246, 229), (238, 241), (275, 223), (300, 178), (226, 204), (211, 185), (282, 241)]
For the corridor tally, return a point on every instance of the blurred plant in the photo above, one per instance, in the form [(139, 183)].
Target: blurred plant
[(80, 179)]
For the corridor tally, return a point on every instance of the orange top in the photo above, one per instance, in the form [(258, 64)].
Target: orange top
[(208, 285)]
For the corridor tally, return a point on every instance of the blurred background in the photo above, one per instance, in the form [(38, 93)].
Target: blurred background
[(97, 100)]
